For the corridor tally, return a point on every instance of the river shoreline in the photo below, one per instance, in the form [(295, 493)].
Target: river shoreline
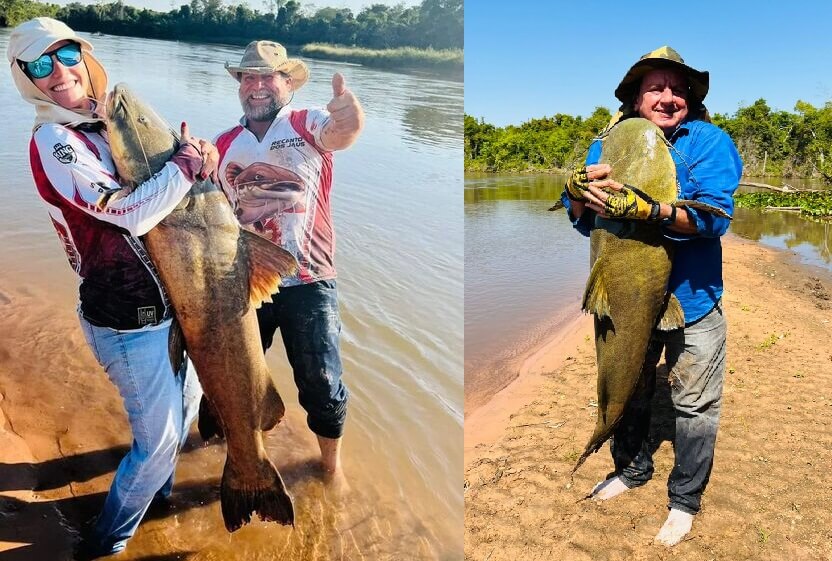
[(443, 64), (764, 500)]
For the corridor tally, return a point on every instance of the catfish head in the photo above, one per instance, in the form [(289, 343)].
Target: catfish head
[(140, 140)]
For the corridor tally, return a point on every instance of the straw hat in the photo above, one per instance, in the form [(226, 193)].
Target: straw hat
[(663, 57), (267, 57)]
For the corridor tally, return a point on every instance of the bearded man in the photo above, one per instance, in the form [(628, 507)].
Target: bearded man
[(276, 169)]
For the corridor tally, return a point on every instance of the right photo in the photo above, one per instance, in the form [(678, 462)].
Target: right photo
[(648, 283)]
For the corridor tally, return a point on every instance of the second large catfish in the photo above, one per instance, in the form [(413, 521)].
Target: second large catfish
[(215, 274), (630, 268)]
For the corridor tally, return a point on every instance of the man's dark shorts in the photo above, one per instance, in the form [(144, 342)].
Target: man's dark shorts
[(310, 325)]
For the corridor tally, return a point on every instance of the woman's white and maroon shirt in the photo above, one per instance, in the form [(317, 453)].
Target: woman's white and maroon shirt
[(72, 168), (280, 188)]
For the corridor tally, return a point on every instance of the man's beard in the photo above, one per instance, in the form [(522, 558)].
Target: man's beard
[(261, 112)]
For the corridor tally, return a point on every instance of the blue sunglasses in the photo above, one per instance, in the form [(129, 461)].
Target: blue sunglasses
[(41, 67)]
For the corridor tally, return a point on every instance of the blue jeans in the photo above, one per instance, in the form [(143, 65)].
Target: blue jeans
[(695, 357), (308, 319), (160, 407)]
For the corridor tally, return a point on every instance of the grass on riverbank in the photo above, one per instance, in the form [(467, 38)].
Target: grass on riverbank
[(814, 204), (446, 61)]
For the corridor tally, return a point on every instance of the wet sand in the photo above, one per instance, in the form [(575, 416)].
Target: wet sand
[(768, 496), (63, 431)]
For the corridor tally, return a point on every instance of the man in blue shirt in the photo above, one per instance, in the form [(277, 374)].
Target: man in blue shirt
[(660, 87)]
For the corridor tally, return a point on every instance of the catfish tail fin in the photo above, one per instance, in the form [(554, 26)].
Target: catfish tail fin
[(270, 501)]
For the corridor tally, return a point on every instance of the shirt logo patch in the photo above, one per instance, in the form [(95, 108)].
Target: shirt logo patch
[(147, 315), (103, 188), (287, 143), (64, 153)]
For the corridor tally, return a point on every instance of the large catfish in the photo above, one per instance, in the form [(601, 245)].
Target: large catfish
[(215, 274), (630, 268)]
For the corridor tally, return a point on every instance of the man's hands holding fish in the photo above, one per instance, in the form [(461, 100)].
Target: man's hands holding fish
[(210, 154), (611, 199)]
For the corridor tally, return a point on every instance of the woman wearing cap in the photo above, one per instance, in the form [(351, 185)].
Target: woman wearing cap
[(661, 88), (123, 309)]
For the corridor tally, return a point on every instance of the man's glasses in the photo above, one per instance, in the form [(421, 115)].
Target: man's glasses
[(68, 55)]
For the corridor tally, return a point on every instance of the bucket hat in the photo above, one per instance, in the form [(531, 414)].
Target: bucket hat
[(267, 57), (663, 57), (32, 38)]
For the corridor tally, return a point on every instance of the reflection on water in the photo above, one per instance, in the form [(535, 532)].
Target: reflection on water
[(524, 271), (434, 114), (787, 230), (811, 240), (488, 187), (397, 210)]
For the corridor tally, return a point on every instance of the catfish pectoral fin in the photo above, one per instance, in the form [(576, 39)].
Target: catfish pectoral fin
[(557, 206), (273, 408), (715, 210), (268, 264), (596, 300), (672, 317), (208, 422), (271, 502)]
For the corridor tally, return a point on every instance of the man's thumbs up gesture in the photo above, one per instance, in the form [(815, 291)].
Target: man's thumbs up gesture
[(346, 117)]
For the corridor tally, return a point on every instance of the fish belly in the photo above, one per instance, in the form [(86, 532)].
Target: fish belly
[(204, 266), (631, 263), (636, 273)]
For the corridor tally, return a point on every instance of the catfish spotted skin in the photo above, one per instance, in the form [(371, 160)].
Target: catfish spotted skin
[(215, 274), (630, 267)]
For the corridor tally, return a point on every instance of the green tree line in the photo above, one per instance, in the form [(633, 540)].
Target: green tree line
[(433, 24), (550, 143), (771, 143)]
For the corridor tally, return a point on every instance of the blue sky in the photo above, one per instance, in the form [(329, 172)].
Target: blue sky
[(166, 5), (526, 59)]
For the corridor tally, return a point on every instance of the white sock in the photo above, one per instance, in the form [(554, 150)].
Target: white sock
[(675, 528), (606, 490)]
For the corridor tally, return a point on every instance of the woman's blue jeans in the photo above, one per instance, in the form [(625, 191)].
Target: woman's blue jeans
[(160, 407)]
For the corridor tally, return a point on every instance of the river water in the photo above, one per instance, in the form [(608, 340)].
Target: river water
[(526, 268), (400, 251)]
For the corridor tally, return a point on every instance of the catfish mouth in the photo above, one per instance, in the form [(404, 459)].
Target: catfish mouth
[(115, 101)]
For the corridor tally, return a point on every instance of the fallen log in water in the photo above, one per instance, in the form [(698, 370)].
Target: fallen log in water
[(784, 208), (783, 189)]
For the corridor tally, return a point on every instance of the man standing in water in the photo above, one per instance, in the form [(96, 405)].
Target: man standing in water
[(661, 88), (276, 168)]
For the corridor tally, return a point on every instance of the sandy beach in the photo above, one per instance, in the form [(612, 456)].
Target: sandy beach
[(769, 493)]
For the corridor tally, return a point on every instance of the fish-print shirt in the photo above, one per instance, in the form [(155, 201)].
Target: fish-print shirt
[(280, 188), (708, 170), (72, 168)]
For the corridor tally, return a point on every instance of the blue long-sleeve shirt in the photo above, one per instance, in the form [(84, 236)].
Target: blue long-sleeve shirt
[(708, 169)]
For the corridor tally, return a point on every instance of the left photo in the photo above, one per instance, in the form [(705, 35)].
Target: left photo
[(232, 283)]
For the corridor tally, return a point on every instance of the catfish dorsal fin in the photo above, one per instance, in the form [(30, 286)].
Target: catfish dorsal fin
[(672, 317), (268, 264), (596, 300)]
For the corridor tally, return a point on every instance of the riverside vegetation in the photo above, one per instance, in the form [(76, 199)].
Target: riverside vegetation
[(778, 144), (427, 36), (771, 143)]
